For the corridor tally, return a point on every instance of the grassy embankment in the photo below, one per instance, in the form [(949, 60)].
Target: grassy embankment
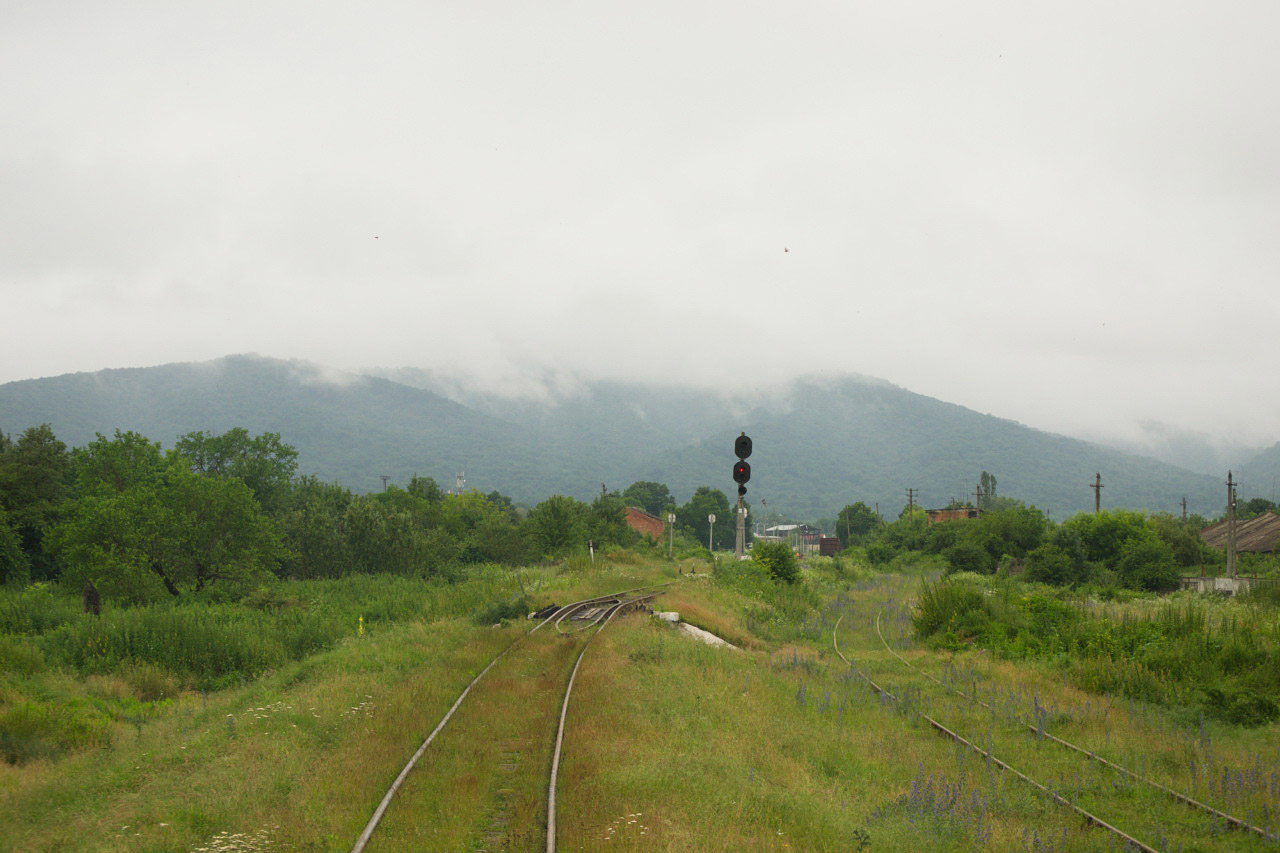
[(672, 745)]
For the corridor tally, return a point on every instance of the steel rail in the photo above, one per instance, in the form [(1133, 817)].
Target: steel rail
[(395, 786), (564, 713), (1235, 822), (939, 727)]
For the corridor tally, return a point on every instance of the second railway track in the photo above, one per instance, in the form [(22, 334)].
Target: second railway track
[(1112, 798)]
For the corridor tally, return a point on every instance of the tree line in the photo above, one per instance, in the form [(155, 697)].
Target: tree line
[(1114, 548), (227, 512)]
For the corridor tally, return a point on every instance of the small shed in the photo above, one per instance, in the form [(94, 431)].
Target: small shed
[(953, 514)]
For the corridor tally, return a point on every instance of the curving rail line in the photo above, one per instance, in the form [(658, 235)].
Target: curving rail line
[(615, 601), (1234, 822), (940, 728), (602, 620)]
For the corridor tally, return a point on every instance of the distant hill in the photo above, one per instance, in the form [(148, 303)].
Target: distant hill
[(1259, 477), (820, 442)]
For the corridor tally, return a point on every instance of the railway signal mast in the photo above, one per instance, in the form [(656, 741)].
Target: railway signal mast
[(741, 474)]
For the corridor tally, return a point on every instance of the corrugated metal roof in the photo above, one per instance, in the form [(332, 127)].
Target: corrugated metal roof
[(1257, 535)]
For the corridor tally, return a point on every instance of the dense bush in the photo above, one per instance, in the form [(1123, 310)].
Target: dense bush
[(777, 559)]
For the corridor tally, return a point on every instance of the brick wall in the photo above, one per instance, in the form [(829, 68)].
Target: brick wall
[(647, 524)]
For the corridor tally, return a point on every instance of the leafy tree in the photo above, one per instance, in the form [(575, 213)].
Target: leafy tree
[(35, 475), (608, 521), (1185, 543), (987, 482), (265, 463), (1146, 562), (653, 498), (115, 465), (558, 524), (14, 565), (1103, 535), (314, 530), (693, 517), (180, 533), (1012, 532), (1254, 507), (854, 522), (426, 488)]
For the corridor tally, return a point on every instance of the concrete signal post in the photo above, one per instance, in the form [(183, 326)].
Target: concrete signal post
[(741, 474)]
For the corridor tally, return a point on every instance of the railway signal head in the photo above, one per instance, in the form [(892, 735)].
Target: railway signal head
[(742, 446), (741, 472)]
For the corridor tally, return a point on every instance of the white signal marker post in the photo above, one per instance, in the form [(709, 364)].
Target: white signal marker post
[(671, 526), (711, 529)]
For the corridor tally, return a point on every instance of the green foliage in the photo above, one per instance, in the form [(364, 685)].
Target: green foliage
[(653, 498), (170, 531), (264, 463), (502, 609), (777, 559), (1176, 654), (558, 525), (854, 522), (15, 567), (693, 517), (35, 477), (1051, 564), (968, 556), (1147, 563)]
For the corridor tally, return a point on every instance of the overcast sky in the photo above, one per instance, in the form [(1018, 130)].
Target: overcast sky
[(1062, 213)]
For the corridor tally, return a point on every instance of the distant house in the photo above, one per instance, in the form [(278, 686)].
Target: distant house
[(1259, 535), (643, 523), (803, 537), (958, 514)]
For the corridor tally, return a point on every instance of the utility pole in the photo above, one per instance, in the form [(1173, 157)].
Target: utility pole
[(384, 482), (1231, 525), (1097, 493), (1184, 509), (977, 498), (911, 502)]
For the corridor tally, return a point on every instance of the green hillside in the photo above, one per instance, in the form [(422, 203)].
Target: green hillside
[(836, 442), (821, 444)]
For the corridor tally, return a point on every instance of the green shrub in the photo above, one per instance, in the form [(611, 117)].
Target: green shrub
[(777, 559), (20, 657), (966, 556), (502, 609)]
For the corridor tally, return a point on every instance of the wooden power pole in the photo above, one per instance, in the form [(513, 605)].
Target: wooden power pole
[(1231, 525), (911, 502), (1097, 493)]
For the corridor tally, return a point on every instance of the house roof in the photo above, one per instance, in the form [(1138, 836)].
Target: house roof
[(1259, 534)]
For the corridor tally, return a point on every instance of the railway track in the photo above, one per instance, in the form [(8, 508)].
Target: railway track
[(526, 672), (1204, 823)]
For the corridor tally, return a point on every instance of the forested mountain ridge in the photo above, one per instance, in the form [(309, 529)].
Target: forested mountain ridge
[(820, 443)]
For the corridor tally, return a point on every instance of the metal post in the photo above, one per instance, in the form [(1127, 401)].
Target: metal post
[(671, 526), (711, 532), (740, 537)]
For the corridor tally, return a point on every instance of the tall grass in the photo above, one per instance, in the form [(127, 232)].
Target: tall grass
[(1219, 658)]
